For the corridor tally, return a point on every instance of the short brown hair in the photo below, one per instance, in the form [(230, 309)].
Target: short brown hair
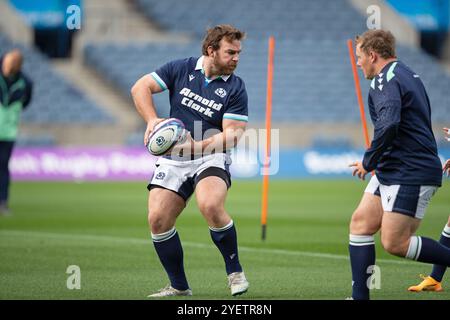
[(380, 41), (217, 33)]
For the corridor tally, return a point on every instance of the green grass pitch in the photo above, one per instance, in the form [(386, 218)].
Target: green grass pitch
[(102, 228)]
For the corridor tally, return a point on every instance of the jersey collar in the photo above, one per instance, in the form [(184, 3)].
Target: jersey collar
[(199, 66), (387, 67)]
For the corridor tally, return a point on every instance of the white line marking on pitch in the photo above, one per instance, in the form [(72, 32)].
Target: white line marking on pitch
[(89, 237)]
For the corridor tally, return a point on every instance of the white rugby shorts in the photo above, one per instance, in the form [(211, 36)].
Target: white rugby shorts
[(182, 176)]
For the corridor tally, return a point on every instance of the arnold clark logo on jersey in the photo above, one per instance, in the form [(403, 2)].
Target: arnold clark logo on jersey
[(198, 103)]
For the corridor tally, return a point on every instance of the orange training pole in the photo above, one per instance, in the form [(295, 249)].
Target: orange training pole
[(265, 190), (358, 92)]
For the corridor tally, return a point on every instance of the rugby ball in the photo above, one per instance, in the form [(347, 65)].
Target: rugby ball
[(165, 135)]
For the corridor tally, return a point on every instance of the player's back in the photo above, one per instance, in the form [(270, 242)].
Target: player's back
[(413, 157)]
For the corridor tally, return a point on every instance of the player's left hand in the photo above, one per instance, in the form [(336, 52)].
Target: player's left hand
[(358, 170), (188, 146)]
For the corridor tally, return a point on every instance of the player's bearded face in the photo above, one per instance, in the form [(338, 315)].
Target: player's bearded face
[(365, 63), (226, 59)]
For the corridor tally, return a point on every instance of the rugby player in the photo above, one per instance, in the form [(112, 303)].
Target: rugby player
[(403, 154), (211, 101)]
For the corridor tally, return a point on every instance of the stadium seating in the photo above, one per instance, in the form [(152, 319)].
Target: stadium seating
[(285, 19), (41, 140), (312, 73), (54, 99), (312, 78)]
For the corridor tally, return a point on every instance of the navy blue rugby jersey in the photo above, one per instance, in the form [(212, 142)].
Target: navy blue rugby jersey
[(403, 150), (196, 100)]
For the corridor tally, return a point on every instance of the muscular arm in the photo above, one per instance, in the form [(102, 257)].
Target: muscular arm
[(142, 92), (227, 139)]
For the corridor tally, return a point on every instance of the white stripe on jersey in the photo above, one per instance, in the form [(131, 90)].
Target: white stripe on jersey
[(160, 81), (233, 116)]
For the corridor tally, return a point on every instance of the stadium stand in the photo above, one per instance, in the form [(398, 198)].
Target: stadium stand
[(312, 78), (284, 19), (55, 101), (40, 140)]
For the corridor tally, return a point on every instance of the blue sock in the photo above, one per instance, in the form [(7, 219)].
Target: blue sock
[(362, 256), (428, 250), (170, 253), (225, 239), (439, 270)]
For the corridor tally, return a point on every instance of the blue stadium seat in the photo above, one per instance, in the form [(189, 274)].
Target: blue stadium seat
[(286, 19), (54, 99), (41, 140), (309, 84), (312, 77)]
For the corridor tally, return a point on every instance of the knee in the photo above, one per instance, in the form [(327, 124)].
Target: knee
[(210, 208), (394, 246), (157, 222), (213, 212), (359, 224)]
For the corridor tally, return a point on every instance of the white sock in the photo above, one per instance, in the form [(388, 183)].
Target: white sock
[(415, 246)]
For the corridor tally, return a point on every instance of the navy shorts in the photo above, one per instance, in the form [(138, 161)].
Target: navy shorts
[(411, 200)]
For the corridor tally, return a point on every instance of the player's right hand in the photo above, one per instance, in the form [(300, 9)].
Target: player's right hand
[(358, 170), (447, 132), (446, 167), (150, 126)]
